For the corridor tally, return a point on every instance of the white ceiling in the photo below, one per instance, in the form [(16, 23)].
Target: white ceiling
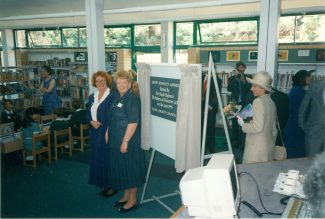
[(42, 13)]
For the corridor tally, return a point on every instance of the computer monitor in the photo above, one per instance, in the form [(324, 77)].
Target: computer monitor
[(213, 190)]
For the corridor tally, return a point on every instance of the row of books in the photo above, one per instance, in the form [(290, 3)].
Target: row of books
[(17, 75), (26, 102), (77, 92), (52, 62), (78, 80)]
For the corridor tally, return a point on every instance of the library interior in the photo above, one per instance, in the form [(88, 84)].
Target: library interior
[(162, 108)]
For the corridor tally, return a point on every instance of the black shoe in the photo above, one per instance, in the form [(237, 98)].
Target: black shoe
[(119, 204), (124, 210), (107, 194)]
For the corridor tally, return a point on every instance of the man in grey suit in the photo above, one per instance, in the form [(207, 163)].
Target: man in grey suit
[(312, 118)]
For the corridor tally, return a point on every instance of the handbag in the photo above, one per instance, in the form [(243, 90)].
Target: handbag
[(280, 151)]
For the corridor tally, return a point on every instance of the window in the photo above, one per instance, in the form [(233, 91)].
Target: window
[(148, 57), (118, 36), (286, 29), (228, 32), (20, 38), (184, 33), (181, 56), (44, 38), (147, 35), (82, 37), (302, 29), (70, 37)]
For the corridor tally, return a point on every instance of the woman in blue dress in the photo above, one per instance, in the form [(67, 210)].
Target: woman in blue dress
[(294, 136), (97, 117), (48, 89), (127, 161)]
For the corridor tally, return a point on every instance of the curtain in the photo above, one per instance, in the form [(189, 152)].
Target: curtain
[(188, 120), (144, 72)]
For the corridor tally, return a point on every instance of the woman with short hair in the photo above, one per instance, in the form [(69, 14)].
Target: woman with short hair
[(127, 162)]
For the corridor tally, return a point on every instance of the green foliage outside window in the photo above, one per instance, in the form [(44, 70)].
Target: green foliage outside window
[(70, 37), (147, 35), (184, 33), (302, 29), (233, 31), (44, 38), (82, 37), (118, 36)]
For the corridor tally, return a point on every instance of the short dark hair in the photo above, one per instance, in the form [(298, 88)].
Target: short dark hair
[(59, 112), (5, 101), (240, 63), (299, 79), (47, 68)]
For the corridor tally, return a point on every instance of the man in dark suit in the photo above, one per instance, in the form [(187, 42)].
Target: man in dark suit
[(281, 101), (241, 94), (212, 113), (78, 117)]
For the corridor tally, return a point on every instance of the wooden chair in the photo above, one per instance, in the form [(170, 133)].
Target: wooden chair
[(36, 138), (62, 133), (47, 118), (82, 137)]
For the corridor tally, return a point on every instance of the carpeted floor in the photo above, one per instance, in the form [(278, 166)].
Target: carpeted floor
[(61, 190)]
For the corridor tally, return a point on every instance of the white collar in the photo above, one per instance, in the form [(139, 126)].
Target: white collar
[(9, 112), (107, 92)]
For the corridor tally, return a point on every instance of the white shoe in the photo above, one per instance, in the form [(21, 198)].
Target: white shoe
[(29, 157), (66, 146)]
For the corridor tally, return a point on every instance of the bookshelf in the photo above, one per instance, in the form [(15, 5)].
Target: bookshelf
[(79, 80), (20, 85)]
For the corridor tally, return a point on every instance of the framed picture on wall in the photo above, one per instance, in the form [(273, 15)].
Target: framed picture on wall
[(80, 56), (320, 55), (233, 56), (252, 55), (283, 55)]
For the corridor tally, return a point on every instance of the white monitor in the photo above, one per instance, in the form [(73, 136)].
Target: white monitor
[(212, 191)]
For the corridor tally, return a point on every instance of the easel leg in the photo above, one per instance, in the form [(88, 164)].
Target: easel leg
[(148, 174)]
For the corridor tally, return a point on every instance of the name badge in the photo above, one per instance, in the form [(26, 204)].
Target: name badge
[(119, 105)]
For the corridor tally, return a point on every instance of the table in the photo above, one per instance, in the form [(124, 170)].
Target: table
[(11, 145), (265, 175)]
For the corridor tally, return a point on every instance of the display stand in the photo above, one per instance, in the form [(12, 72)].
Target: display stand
[(155, 198), (212, 73), (170, 86)]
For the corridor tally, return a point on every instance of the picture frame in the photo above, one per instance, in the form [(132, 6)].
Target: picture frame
[(320, 55), (80, 56), (283, 55), (233, 56), (252, 56)]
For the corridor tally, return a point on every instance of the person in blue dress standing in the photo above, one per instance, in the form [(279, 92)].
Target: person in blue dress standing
[(127, 161), (48, 89), (294, 136), (97, 116)]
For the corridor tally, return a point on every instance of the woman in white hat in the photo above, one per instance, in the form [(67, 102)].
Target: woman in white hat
[(261, 131)]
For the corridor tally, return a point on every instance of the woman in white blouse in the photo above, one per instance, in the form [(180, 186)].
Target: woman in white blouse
[(98, 116), (261, 130)]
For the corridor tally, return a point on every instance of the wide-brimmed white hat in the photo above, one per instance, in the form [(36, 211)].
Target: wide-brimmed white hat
[(262, 79)]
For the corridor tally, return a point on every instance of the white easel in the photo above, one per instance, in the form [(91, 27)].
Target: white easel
[(212, 72)]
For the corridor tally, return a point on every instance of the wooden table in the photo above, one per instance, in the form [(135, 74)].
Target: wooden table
[(11, 145)]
